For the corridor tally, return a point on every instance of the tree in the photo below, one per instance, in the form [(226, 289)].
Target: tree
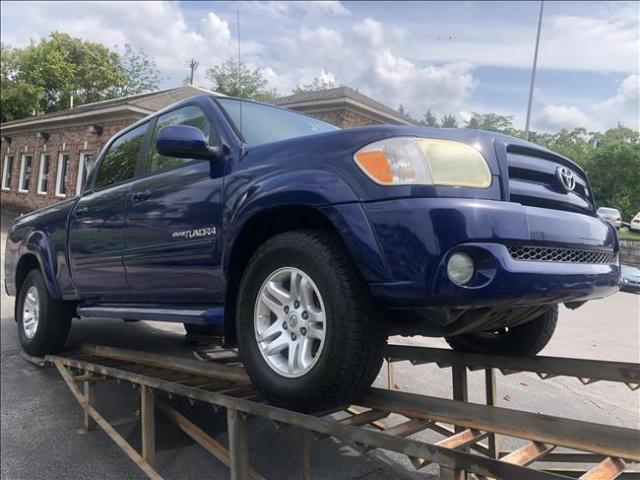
[(429, 120), (43, 76), (449, 121), (18, 99), (491, 122), (236, 79), (140, 73), (316, 85), (63, 66)]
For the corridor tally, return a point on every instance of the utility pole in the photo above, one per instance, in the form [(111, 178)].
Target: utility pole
[(533, 73), (193, 65)]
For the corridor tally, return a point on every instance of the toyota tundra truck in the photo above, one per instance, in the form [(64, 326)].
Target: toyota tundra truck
[(307, 246)]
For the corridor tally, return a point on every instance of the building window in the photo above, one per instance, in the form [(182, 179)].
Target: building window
[(25, 173), (62, 180), (83, 170), (43, 173), (6, 172)]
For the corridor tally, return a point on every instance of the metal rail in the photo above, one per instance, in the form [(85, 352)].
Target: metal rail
[(384, 419)]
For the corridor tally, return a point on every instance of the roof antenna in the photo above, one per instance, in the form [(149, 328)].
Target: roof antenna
[(239, 66)]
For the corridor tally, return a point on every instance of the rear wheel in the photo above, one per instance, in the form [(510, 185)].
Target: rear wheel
[(43, 322), (308, 333), (520, 341)]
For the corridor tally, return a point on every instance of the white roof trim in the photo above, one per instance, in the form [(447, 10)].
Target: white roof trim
[(75, 116)]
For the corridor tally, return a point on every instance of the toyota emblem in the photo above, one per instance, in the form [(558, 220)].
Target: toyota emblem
[(566, 178)]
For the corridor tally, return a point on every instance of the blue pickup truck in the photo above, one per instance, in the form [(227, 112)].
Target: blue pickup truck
[(307, 245)]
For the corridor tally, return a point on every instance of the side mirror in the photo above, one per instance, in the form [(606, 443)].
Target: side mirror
[(184, 141)]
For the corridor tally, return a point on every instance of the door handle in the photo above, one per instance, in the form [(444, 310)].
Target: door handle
[(80, 212), (140, 196)]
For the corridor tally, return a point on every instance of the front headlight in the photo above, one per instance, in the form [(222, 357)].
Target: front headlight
[(425, 161)]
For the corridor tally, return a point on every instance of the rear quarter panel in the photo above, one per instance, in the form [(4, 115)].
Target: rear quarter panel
[(42, 233)]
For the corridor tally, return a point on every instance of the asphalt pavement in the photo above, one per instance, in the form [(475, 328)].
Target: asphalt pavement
[(42, 438)]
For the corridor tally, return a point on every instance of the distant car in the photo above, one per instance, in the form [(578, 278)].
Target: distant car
[(634, 224), (629, 279), (611, 215)]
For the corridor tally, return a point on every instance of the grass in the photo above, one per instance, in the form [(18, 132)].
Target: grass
[(628, 235)]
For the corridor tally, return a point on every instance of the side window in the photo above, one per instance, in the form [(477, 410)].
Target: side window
[(119, 163), (191, 115)]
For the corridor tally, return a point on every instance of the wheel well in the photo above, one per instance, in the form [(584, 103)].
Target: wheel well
[(257, 230), (27, 263)]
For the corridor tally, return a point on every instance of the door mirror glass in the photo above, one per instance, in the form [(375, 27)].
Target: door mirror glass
[(183, 141)]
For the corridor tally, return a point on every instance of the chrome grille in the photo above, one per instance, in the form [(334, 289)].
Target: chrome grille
[(567, 255)]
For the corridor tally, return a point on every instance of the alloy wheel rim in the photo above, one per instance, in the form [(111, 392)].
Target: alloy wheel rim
[(290, 322), (31, 312)]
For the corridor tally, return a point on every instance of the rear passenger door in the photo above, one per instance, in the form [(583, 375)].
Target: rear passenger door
[(172, 253), (97, 226)]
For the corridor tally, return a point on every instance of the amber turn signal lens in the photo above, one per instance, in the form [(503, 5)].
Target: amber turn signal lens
[(376, 164)]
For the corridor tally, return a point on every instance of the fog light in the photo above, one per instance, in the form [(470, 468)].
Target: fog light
[(460, 268)]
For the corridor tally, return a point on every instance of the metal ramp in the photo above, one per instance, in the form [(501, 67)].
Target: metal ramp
[(381, 419)]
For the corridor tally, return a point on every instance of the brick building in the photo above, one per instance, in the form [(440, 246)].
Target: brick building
[(45, 159)]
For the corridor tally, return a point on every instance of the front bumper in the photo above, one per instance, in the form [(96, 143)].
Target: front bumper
[(417, 236)]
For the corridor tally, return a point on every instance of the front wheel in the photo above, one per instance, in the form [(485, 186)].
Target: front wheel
[(43, 322), (520, 341), (308, 333)]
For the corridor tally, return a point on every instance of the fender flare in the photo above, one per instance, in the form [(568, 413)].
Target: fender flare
[(37, 244)]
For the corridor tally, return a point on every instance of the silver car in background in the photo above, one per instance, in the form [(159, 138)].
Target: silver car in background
[(634, 224), (611, 215)]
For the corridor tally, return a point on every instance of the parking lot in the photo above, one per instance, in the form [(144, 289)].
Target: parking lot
[(41, 434)]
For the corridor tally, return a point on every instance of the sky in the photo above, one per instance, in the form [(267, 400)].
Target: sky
[(447, 57)]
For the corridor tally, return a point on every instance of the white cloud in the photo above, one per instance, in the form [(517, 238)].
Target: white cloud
[(623, 107), (370, 30), (556, 117)]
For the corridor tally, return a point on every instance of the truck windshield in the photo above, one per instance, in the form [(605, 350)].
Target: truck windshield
[(259, 123)]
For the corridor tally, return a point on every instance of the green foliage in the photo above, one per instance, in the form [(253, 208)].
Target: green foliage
[(236, 79), (316, 85), (43, 76), (491, 122), (140, 73)]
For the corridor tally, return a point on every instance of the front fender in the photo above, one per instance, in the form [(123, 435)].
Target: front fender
[(321, 190)]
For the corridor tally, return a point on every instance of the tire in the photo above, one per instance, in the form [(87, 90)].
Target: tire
[(328, 372), (520, 341), (194, 329), (50, 330)]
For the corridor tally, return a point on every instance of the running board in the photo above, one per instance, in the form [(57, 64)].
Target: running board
[(202, 316)]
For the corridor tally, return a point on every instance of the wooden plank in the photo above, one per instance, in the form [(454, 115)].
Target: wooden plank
[(459, 440), (238, 445), (608, 469), (125, 420), (528, 454), (200, 436), (147, 424), (102, 423), (490, 392), (206, 369)]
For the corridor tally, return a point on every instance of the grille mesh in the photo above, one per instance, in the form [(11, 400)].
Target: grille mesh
[(569, 255)]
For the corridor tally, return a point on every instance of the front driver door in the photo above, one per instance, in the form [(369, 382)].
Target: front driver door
[(172, 252), (97, 228)]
